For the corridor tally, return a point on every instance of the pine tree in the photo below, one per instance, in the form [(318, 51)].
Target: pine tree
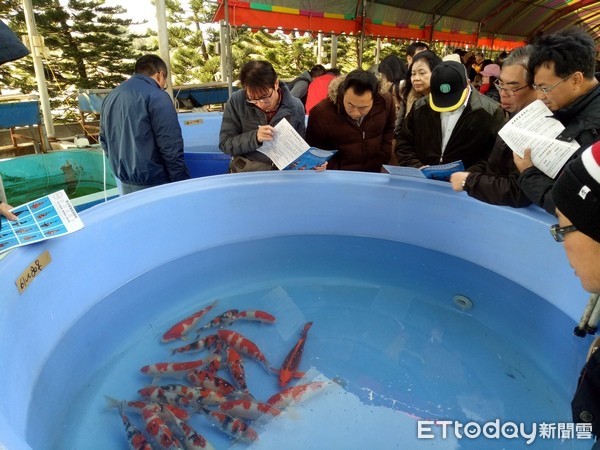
[(89, 47)]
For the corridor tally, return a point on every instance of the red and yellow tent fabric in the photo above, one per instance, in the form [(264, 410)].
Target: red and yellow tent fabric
[(501, 24)]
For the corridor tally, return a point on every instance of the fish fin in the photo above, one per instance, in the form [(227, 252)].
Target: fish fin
[(299, 374), (111, 402)]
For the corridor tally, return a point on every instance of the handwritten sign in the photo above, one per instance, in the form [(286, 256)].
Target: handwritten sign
[(32, 271)]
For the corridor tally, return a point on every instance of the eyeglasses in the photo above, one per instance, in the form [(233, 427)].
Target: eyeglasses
[(508, 91), (558, 232), (547, 90), (263, 99)]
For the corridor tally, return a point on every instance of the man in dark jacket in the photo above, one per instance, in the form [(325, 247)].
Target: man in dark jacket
[(139, 130), (499, 185), (562, 66), (357, 120), (455, 122), (576, 195)]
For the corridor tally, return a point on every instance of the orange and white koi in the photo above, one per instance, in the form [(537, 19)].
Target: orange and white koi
[(208, 380), (135, 438), (255, 315), (243, 345), (235, 428), (295, 394), (181, 328), (140, 404), (192, 439), (234, 362), (220, 321), (205, 343), (292, 360), (158, 429), (182, 396), (177, 369), (248, 409)]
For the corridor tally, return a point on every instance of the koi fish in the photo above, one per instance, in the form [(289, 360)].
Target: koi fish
[(208, 380), (158, 429), (136, 439), (232, 426), (295, 394), (177, 369), (248, 409), (243, 345), (255, 315), (220, 321), (292, 360), (236, 368), (182, 396), (198, 345), (192, 439), (140, 404), (179, 330)]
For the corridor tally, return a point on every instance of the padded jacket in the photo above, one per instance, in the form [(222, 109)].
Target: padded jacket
[(365, 147), (420, 140), (582, 124)]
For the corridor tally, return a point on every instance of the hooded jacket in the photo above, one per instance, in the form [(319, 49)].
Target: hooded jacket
[(361, 147)]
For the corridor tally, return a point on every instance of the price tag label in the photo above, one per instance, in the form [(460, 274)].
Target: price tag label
[(32, 271)]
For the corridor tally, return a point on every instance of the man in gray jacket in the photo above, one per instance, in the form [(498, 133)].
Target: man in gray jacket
[(252, 112)]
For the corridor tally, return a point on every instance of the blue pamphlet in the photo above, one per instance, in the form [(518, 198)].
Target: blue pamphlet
[(45, 218), (438, 172)]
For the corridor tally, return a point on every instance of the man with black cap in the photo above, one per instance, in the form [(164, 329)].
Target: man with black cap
[(576, 194), (453, 123)]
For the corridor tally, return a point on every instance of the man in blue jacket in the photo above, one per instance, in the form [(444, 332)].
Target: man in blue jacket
[(139, 130)]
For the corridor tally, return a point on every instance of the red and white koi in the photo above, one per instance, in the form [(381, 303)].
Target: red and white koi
[(182, 396), (243, 345), (236, 367), (255, 315), (192, 439), (292, 360), (135, 438), (140, 404), (220, 321), (181, 328), (158, 429), (248, 409), (178, 369), (205, 343), (208, 380), (235, 428), (295, 394)]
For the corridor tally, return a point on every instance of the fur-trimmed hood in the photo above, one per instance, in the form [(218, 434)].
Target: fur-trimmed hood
[(335, 87)]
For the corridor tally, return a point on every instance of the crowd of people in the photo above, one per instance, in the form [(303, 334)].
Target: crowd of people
[(418, 110)]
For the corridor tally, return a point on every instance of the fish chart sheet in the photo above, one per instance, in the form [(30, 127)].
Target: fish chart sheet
[(44, 218)]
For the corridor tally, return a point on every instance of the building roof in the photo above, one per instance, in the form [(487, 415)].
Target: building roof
[(500, 24)]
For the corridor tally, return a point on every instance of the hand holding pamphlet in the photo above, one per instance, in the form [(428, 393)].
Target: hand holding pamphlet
[(534, 128), (437, 172), (289, 151), (45, 218)]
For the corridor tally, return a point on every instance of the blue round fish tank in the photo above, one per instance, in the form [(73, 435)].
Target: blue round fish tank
[(432, 314)]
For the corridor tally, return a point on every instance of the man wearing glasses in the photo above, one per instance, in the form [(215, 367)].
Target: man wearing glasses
[(139, 130), (576, 195), (563, 66), (498, 185), (252, 112)]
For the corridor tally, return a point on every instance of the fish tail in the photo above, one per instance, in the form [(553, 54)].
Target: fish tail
[(112, 402)]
